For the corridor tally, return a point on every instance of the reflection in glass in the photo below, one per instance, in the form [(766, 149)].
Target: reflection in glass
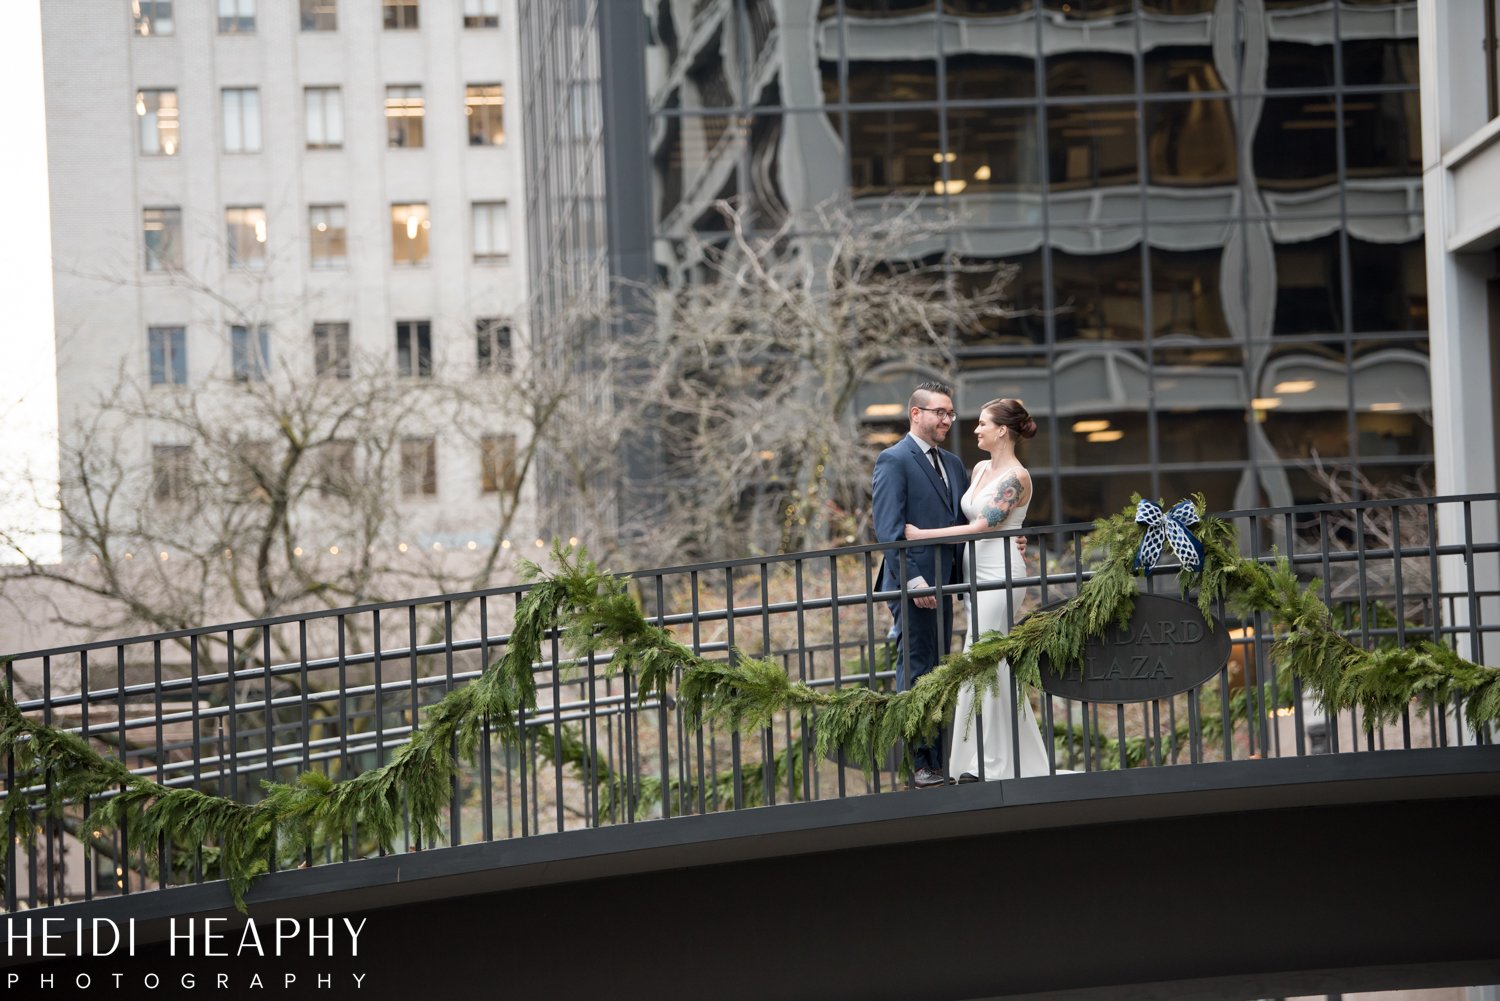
[(1302, 434), (1088, 10), (1309, 299), (1292, 64), (1384, 434), (977, 77), (1185, 293), (1392, 283), (1190, 143), (1370, 61), (1104, 437), (992, 149), (987, 8), (1383, 135), (893, 151), (1218, 486), (1024, 299), (708, 77), (1091, 146), (1098, 296), (1182, 68), (1295, 143), (892, 80), (1178, 7), (878, 8), (1080, 74), (1203, 435), (1089, 496)]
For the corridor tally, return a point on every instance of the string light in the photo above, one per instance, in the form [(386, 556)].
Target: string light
[(473, 544), (333, 550), (297, 551), (504, 543), (540, 544), (400, 547), (437, 547), (573, 540), (164, 556)]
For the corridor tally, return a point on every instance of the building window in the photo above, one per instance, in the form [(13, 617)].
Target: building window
[(162, 229), (157, 110), (245, 226), (152, 17), (171, 471), (167, 347), (404, 111), (326, 236), (336, 468), (409, 228), (400, 14), (1492, 55), (324, 109), (331, 350), (484, 107), (250, 348), (491, 231), (414, 348), (481, 13), (418, 467), (241, 120), (493, 337), (497, 463), (320, 15), (236, 17)]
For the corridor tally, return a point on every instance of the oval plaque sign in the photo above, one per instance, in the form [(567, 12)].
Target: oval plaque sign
[(1167, 648)]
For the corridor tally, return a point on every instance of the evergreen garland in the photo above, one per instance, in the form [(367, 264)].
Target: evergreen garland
[(597, 614)]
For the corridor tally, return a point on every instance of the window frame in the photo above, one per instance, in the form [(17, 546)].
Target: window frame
[(312, 18), (417, 482), (241, 20), (481, 115), (494, 353), (405, 101), (497, 463), (166, 354), (330, 99), (331, 355), (487, 210), (171, 469), (481, 13), (246, 105), (414, 349), (401, 15), (249, 362), (139, 18), (316, 237), (151, 121), (171, 220), (402, 234), (259, 237)]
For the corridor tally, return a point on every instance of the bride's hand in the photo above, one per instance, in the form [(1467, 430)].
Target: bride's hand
[(914, 533)]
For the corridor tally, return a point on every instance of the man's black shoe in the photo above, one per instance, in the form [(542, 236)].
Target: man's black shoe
[(967, 777), (926, 778)]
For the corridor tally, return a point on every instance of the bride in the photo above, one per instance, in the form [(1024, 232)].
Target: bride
[(998, 496)]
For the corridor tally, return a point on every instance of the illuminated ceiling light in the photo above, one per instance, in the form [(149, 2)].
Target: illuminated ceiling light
[(884, 410), (952, 187), (1265, 403), (140, 104), (411, 227), (169, 147), (1387, 407), (944, 157), (1114, 435), (1088, 427), (260, 230), (1295, 386), (983, 173)]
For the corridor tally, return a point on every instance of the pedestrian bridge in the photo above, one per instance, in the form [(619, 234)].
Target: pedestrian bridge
[(1237, 840)]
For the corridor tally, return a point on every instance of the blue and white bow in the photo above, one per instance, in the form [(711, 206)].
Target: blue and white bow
[(1171, 526)]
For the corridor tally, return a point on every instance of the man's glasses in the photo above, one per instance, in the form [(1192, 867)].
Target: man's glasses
[(941, 413)]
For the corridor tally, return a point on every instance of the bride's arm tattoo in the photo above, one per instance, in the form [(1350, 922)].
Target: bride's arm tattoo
[(1003, 501)]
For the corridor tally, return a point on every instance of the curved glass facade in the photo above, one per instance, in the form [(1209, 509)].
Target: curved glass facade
[(1214, 205)]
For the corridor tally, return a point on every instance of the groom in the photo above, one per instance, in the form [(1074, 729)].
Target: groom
[(917, 481)]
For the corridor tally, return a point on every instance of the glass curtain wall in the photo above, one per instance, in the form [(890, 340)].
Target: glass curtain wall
[(1214, 206)]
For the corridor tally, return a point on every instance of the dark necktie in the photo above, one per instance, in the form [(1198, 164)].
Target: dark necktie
[(937, 464)]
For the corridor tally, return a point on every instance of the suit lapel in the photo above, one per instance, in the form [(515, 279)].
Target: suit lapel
[(945, 492)]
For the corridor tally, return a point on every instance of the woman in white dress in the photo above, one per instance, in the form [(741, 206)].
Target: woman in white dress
[(998, 496)]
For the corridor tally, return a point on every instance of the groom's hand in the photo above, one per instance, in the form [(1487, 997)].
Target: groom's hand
[(926, 600), (1021, 544)]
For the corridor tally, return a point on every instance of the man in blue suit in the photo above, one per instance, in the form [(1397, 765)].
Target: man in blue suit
[(918, 482)]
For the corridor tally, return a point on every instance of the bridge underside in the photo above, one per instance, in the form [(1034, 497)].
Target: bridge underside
[(1309, 875)]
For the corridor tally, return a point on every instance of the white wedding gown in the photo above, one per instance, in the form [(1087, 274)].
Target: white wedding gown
[(990, 612)]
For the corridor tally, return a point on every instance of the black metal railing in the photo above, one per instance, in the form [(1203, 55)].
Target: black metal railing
[(223, 709)]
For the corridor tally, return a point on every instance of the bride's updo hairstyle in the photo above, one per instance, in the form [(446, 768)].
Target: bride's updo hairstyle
[(1011, 414)]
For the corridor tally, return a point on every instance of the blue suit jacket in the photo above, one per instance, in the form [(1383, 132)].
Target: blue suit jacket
[(907, 489)]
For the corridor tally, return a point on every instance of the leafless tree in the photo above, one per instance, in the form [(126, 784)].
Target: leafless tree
[(760, 357)]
